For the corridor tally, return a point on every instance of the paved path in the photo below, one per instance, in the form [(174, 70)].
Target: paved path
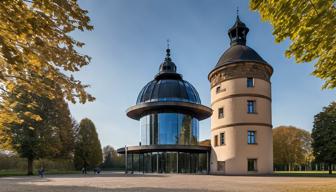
[(118, 182)]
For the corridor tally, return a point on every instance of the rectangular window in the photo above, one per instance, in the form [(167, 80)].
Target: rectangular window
[(251, 137), (222, 139), (250, 82), (218, 89), (251, 164), (251, 106), (221, 166), (216, 140), (220, 113)]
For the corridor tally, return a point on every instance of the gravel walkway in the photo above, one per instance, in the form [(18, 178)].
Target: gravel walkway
[(118, 182)]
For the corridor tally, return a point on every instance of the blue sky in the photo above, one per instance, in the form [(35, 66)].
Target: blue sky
[(128, 45)]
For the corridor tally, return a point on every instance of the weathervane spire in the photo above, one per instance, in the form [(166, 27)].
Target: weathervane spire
[(168, 50), (237, 13)]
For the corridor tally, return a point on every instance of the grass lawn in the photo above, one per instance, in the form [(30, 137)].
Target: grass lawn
[(305, 173)]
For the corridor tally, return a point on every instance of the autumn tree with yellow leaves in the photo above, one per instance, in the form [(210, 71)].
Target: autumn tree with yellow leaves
[(36, 48), (310, 26), (38, 61), (291, 147), (45, 129)]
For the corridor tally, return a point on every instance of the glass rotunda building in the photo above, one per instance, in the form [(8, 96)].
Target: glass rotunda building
[(169, 110)]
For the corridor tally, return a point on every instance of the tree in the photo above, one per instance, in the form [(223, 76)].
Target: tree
[(291, 146), (108, 153), (111, 158), (35, 42), (47, 133), (88, 152), (324, 136), (310, 25)]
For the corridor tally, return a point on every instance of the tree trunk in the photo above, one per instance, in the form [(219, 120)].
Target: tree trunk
[(30, 166), (330, 169)]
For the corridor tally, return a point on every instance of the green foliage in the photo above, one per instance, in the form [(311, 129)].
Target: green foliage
[(18, 164), (47, 133), (324, 135), (112, 160), (88, 152), (35, 39), (291, 146), (310, 25)]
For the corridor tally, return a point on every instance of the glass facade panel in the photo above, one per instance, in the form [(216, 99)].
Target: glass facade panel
[(168, 162), (169, 128), (168, 133)]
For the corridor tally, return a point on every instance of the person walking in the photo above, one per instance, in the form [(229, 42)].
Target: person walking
[(84, 169), (41, 172)]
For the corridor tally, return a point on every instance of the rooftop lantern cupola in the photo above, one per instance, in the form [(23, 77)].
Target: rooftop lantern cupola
[(238, 33), (168, 65), (168, 68)]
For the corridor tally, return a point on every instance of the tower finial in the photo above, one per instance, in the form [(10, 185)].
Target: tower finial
[(168, 50), (168, 65), (237, 13)]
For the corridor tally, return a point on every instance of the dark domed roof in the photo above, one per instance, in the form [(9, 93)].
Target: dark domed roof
[(238, 50), (168, 86), (237, 53), (168, 90)]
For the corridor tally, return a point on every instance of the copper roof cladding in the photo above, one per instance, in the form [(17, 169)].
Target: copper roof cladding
[(168, 92), (238, 51)]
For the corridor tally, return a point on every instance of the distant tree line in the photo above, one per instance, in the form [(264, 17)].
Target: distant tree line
[(297, 149)]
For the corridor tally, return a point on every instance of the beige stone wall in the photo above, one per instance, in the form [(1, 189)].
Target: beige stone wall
[(236, 151), (236, 123)]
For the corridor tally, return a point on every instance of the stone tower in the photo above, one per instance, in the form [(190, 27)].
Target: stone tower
[(241, 124)]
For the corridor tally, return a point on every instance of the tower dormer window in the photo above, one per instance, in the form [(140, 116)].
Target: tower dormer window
[(250, 82)]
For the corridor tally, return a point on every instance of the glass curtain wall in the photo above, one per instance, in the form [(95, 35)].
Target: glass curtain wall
[(169, 128), (168, 162)]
